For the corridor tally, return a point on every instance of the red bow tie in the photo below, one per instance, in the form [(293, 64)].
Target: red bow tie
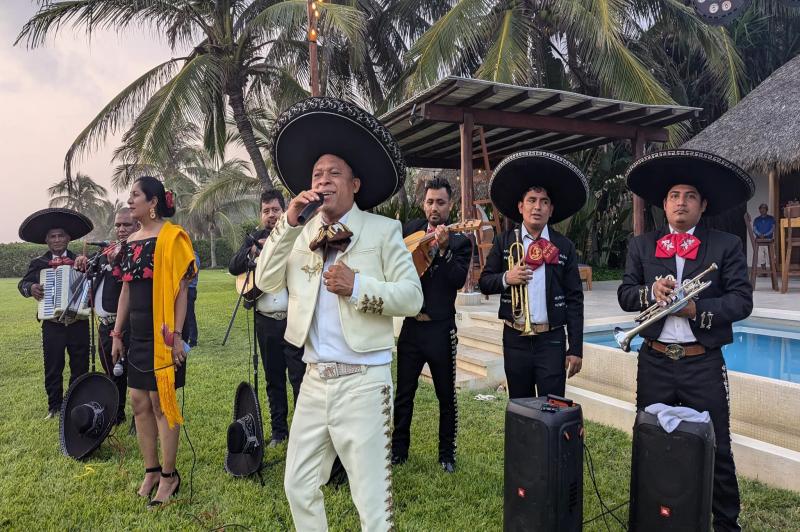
[(55, 262), (541, 251), (684, 244)]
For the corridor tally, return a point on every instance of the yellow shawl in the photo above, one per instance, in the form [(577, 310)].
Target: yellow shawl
[(174, 256)]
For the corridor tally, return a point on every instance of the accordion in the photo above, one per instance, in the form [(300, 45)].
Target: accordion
[(66, 295)]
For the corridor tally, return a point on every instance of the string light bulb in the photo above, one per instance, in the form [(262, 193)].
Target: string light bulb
[(312, 35)]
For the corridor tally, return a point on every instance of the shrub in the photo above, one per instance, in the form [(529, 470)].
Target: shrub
[(223, 248)]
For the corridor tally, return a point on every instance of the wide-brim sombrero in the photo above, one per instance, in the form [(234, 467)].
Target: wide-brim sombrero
[(35, 227), (318, 126), (245, 452), (88, 413), (720, 182), (566, 185)]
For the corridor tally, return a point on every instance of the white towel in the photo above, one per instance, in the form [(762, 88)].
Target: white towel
[(669, 417)]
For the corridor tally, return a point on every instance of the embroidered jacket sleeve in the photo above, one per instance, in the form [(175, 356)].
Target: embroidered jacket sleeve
[(491, 279), (31, 277), (400, 292), (634, 294), (271, 264), (736, 301), (573, 293), (453, 265)]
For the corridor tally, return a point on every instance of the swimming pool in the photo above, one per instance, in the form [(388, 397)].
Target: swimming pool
[(769, 348)]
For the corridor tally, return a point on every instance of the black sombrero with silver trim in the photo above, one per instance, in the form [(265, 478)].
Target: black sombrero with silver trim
[(245, 452), (721, 183), (35, 227), (318, 126), (88, 413), (566, 185)]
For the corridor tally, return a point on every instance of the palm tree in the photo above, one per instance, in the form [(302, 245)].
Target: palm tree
[(589, 45), (84, 195), (227, 41), (222, 192)]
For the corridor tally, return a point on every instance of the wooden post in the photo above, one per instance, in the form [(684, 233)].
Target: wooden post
[(638, 202), (775, 210), (313, 62), (467, 128)]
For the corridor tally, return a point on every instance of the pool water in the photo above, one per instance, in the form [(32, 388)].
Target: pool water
[(758, 348)]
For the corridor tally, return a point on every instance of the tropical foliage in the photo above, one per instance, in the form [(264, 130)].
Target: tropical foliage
[(224, 67), (84, 195), (238, 63)]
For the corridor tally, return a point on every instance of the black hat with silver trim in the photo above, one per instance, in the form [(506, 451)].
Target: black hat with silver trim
[(565, 184), (88, 413), (318, 126), (720, 182), (245, 452)]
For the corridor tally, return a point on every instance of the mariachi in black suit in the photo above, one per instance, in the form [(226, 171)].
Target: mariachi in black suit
[(430, 338), (109, 287), (56, 338), (534, 365), (699, 382)]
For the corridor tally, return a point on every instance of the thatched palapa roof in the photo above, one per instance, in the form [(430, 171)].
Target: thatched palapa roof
[(763, 130)]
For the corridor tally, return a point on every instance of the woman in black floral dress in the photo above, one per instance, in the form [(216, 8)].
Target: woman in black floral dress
[(148, 292)]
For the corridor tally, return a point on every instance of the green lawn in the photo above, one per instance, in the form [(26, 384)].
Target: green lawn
[(41, 489)]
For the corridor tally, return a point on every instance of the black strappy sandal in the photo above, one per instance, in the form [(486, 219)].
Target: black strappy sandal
[(153, 504), (154, 487)]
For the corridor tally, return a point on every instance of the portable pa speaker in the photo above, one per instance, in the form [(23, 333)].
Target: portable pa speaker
[(672, 476), (543, 465)]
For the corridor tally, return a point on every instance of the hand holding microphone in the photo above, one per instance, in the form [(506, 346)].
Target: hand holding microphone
[(303, 206)]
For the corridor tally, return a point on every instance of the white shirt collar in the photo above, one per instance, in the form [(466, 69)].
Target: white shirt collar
[(524, 232), (343, 219), (690, 231)]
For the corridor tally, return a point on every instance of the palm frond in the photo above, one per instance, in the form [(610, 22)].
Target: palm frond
[(507, 59), (441, 48), (123, 108), (187, 98)]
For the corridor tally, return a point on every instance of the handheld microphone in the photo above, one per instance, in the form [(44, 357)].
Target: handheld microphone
[(101, 243), (119, 368), (311, 208)]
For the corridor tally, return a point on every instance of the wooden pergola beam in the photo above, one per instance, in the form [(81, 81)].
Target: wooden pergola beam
[(573, 126)]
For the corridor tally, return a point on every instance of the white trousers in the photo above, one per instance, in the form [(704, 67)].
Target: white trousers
[(349, 416)]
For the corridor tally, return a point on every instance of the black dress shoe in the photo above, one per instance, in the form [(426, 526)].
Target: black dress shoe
[(448, 467), (274, 442), (398, 459), (338, 475)]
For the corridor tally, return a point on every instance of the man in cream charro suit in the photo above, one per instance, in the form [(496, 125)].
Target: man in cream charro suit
[(348, 273)]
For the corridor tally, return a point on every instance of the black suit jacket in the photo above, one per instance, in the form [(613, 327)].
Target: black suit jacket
[(112, 286), (32, 275), (728, 299), (238, 264), (446, 274), (563, 286)]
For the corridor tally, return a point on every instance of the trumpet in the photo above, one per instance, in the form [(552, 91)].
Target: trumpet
[(519, 292), (689, 289)]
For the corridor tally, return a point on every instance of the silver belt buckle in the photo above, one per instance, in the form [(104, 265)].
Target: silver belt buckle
[(327, 370), (675, 351)]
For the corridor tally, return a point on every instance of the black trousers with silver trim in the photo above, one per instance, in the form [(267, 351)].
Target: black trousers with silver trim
[(279, 359), (57, 338), (699, 382), (434, 343)]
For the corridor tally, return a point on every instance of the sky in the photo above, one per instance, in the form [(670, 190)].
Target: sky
[(48, 95)]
